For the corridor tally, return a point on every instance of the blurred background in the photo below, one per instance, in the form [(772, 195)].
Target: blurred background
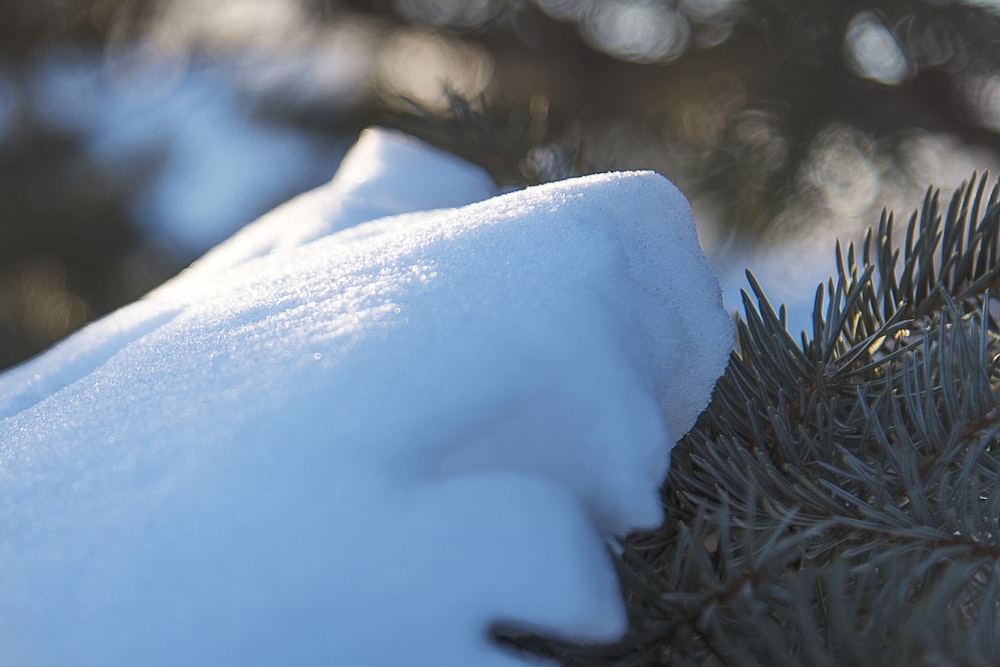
[(135, 134)]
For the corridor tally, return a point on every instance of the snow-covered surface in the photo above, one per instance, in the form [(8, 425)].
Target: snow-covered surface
[(343, 440)]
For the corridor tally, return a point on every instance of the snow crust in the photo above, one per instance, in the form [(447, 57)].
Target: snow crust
[(348, 439)]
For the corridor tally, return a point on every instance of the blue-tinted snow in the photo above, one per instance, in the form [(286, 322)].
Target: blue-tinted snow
[(339, 442)]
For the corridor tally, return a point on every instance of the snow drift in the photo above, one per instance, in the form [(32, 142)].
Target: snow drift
[(347, 439)]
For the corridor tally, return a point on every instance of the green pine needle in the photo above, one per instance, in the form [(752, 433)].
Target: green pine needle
[(838, 504)]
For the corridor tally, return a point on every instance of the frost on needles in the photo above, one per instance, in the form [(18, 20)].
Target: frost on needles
[(838, 503)]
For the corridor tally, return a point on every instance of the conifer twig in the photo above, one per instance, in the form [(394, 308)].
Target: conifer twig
[(838, 503)]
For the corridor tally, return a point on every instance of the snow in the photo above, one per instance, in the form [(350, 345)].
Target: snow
[(349, 439)]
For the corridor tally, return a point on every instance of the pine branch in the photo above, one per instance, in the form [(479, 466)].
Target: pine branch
[(839, 501)]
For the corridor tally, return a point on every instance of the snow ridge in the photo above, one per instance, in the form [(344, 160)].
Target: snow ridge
[(367, 446)]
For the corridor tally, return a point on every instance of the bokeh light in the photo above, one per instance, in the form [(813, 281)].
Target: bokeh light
[(642, 31), (785, 123), (759, 140), (874, 52), (422, 66), (648, 31), (842, 168), (989, 5), (982, 93), (228, 25), (705, 11)]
